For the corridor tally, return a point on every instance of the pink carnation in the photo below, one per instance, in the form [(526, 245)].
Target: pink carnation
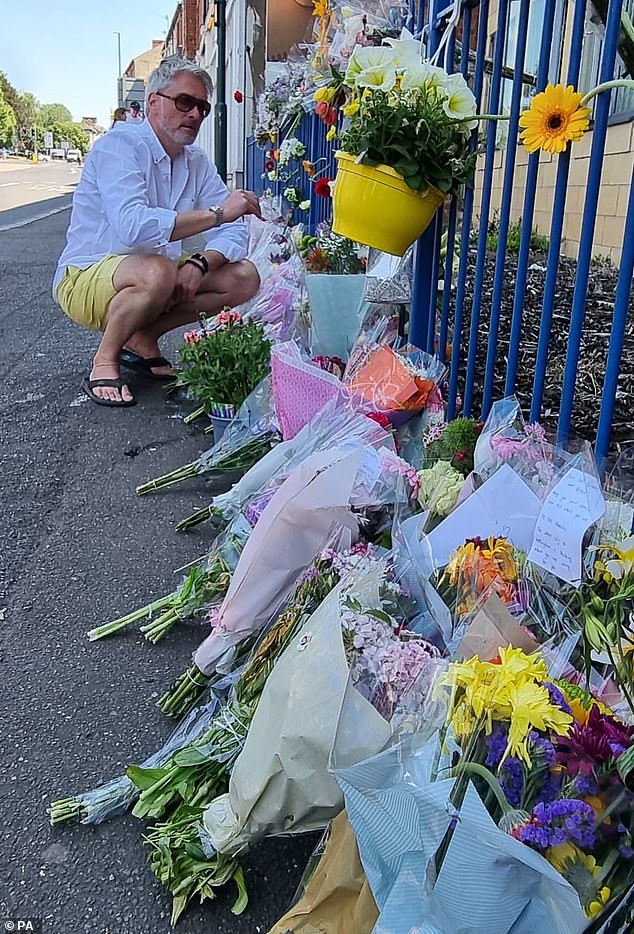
[(191, 337), (229, 317)]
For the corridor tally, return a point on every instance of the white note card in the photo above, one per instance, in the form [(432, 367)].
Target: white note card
[(571, 507), (504, 506)]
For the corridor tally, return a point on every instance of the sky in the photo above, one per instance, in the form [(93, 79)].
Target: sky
[(65, 51)]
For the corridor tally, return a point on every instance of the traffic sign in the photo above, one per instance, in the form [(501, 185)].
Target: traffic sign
[(48, 140), (64, 144)]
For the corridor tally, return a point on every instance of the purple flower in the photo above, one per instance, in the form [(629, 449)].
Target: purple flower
[(557, 698), (585, 786), (563, 821)]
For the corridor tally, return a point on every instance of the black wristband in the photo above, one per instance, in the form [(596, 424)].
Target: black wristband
[(201, 259), (193, 262)]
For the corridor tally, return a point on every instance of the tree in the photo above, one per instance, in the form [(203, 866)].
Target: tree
[(53, 113), (76, 136), (7, 122), (25, 108)]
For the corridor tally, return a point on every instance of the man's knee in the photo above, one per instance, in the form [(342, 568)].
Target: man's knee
[(247, 281), (157, 276)]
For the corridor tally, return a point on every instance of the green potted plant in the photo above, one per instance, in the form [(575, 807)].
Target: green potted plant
[(405, 146), (222, 362)]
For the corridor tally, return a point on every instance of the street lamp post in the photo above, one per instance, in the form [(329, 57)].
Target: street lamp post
[(220, 110), (119, 78)]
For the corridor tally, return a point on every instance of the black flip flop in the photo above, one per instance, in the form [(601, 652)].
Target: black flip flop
[(134, 361), (89, 384)]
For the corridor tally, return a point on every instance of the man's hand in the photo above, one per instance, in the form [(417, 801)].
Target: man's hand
[(239, 203), (188, 282)]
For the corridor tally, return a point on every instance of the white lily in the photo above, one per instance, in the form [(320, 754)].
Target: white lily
[(364, 57), (379, 78), (624, 562), (407, 52), (459, 103), (424, 75)]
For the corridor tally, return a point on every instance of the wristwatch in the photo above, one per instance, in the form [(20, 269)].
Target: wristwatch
[(220, 214)]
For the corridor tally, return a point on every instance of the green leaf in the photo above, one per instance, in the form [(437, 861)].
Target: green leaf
[(179, 904), (243, 896), (144, 778), (625, 766)]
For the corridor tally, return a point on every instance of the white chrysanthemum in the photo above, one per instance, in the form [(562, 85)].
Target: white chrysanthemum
[(424, 75), (407, 52), (379, 78), (364, 57), (459, 104)]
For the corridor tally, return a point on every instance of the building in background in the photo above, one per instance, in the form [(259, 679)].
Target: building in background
[(259, 36), (619, 144), (133, 81), (92, 129), (183, 34)]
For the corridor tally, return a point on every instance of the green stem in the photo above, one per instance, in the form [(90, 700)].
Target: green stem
[(476, 768), (485, 117), (194, 415), (201, 515), (606, 86), (109, 628), (175, 476)]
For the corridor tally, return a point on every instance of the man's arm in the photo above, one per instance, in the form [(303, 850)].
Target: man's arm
[(235, 206)]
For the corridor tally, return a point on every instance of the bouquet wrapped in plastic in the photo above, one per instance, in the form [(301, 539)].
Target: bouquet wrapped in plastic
[(248, 437), (300, 388), (343, 683), (397, 384), (517, 816)]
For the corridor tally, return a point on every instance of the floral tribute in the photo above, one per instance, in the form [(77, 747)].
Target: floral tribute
[(547, 767)]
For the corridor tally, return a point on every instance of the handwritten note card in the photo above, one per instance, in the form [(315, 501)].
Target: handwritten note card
[(569, 510), (503, 506)]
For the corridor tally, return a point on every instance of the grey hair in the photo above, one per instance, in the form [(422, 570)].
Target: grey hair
[(163, 76)]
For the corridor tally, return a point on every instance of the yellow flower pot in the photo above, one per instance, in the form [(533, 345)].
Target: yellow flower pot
[(373, 204)]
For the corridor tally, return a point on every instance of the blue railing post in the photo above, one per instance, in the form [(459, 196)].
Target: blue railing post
[(528, 210), (485, 204), (619, 321), (556, 225), (505, 210), (612, 28), (467, 212), (424, 289)]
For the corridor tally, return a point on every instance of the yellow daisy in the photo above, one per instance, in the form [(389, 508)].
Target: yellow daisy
[(320, 8), (554, 119)]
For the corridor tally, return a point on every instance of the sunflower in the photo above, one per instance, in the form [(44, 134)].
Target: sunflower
[(554, 119)]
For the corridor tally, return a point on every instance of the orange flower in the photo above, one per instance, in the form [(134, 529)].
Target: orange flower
[(309, 168)]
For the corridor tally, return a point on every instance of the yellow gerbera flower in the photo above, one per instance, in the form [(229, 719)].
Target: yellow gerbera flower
[(596, 907), (554, 119)]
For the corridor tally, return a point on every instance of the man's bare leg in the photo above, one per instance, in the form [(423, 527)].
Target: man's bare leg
[(232, 284), (144, 287)]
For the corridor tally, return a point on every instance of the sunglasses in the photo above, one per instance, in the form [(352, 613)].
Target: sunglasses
[(185, 103)]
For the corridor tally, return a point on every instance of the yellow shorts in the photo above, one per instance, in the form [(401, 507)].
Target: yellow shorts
[(85, 294)]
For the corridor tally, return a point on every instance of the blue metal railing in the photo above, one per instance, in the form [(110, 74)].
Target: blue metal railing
[(439, 324)]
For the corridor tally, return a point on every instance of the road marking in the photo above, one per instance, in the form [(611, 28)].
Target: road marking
[(8, 184), (31, 220)]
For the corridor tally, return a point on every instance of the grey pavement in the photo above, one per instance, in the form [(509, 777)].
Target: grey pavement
[(79, 548)]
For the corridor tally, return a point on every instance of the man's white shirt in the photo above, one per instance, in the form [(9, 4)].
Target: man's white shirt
[(129, 195)]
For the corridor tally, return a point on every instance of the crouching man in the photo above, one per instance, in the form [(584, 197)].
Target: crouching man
[(142, 191)]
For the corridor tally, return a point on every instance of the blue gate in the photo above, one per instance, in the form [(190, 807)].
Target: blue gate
[(459, 286)]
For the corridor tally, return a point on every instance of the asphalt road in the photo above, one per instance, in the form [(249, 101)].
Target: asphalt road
[(28, 190), (79, 548)]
